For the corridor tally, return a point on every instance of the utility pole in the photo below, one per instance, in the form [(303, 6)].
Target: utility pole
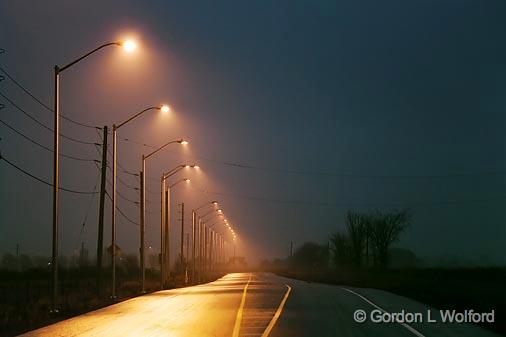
[(167, 236), (291, 249), (182, 235), (187, 252), (100, 239), (142, 175), (193, 245), (56, 165), (17, 257), (205, 251), (201, 253), (162, 234)]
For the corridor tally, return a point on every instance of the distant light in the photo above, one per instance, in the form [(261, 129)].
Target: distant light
[(165, 108), (129, 46), (196, 166), (186, 166), (219, 211), (183, 142), (187, 180), (214, 202)]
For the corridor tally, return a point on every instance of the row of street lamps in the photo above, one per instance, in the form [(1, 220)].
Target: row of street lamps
[(129, 46)]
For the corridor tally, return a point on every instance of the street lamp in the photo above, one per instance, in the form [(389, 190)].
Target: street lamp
[(194, 234), (219, 250), (165, 219), (212, 214), (56, 165), (114, 173), (217, 241), (143, 201)]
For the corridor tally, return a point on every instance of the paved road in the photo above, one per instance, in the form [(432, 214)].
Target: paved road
[(250, 305)]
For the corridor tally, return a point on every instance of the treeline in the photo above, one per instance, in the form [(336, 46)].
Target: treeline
[(367, 238), (24, 262), (364, 242)]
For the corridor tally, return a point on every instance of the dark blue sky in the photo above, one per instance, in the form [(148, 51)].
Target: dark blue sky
[(336, 104)]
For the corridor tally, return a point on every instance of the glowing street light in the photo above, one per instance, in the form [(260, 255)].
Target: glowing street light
[(56, 165), (165, 109), (142, 203), (198, 232), (113, 197), (129, 46), (165, 219)]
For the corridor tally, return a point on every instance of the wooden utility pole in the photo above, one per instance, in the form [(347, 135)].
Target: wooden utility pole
[(100, 240), (182, 236)]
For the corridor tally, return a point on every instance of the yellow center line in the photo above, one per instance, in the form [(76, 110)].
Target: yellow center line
[(278, 313), (238, 318)]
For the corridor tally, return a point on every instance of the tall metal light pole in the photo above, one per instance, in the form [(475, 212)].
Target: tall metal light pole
[(167, 227), (165, 218), (194, 230), (216, 244), (206, 252), (164, 108), (129, 46), (143, 208)]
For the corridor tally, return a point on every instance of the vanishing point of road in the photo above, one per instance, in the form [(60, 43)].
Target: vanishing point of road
[(254, 305)]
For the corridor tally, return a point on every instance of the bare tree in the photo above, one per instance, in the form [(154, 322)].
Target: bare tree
[(340, 246), (357, 232), (384, 230)]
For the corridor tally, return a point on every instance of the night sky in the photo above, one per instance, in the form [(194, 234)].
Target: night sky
[(296, 111)]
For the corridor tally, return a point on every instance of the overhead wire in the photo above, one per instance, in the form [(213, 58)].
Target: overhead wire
[(122, 213), (42, 124), (2, 157), (43, 146), (26, 91), (333, 174), (348, 204), (83, 228)]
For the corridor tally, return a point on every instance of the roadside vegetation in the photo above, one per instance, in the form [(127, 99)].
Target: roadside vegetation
[(363, 255), (25, 288)]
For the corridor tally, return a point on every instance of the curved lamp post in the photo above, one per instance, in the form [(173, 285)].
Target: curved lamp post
[(129, 46), (163, 108), (197, 233), (164, 222), (205, 254), (142, 226), (219, 240)]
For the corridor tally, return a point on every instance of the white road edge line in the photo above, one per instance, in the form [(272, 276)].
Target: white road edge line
[(278, 313), (405, 325)]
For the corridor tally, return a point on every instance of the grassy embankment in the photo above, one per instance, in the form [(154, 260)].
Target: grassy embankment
[(480, 289), (25, 297)]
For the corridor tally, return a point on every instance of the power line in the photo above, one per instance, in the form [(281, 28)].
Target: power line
[(121, 212), (44, 104), (41, 180), (83, 228), (350, 204), (138, 143), (121, 181), (331, 174), (43, 146), (42, 124), (117, 192)]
